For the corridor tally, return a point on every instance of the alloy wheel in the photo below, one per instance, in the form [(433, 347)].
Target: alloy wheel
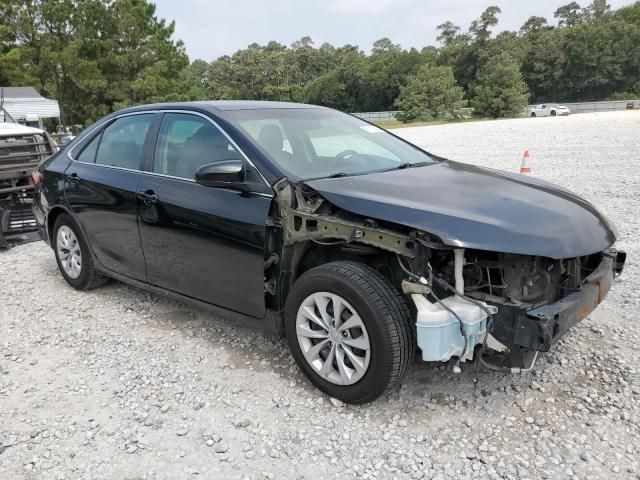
[(69, 252), (333, 338)]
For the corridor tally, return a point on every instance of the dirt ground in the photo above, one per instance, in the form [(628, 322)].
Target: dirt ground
[(117, 383)]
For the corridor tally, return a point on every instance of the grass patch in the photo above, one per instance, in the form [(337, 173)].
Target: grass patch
[(388, 124), (398, 124)]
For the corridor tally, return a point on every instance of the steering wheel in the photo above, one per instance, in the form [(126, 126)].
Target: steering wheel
[(341, 157)]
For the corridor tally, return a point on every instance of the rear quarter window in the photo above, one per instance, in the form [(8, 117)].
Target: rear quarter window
[(88, 153)]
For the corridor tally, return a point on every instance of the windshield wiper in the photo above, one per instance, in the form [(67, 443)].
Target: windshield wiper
[(402, 166), (397, 167), (411, 165)]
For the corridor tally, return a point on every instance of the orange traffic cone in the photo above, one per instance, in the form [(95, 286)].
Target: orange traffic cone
[(525, 168)]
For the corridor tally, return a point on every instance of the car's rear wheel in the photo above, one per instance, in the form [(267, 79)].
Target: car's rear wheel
[(533, 114), (350, 331), (73, 255)]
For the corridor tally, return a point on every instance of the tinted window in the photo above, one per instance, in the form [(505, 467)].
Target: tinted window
[(186, 142), (89, 153), (122, 142)]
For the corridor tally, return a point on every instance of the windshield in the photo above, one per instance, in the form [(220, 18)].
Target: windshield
[(315, 143)]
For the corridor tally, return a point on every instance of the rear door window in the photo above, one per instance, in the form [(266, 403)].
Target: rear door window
[(122, 142), (187, 142)]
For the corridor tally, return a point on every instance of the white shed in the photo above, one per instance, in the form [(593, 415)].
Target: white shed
[(26, 105)]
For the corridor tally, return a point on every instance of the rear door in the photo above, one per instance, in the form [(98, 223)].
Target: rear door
[(101, 186), (204, 242)]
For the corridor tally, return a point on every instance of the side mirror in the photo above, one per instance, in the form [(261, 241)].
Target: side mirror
[(224, 174)]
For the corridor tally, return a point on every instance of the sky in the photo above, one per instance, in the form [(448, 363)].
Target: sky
[(212, 28)]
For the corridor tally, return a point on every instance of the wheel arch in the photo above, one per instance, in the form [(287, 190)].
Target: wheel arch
[(316, 255), (52, 216), (304, 256), (304, 231)]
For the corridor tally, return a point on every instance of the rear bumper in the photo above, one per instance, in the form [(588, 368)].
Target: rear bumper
[(539, 328), (41, 221)]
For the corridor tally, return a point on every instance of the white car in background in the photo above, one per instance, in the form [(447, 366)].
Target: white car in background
[(547, 110)]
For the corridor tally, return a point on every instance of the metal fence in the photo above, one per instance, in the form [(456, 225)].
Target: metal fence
[(606, 106), (574, 107), (378, 116)]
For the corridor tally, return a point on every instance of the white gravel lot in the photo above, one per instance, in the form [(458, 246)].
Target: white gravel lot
[(120, 384)]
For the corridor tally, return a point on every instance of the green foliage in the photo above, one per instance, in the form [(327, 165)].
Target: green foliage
[(544, 62), (431, 93), (635, 94), (568, 15), (533, 24), (341, 77), (448, 33), (95, 56), (328, 90), (480, 29), (499, 90)]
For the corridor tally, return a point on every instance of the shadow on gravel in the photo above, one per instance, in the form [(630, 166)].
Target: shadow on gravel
[(252, 348)]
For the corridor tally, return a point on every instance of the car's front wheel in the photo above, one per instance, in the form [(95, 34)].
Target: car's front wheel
[(349, 330), (553, 113), (73, 255), (533, 114)]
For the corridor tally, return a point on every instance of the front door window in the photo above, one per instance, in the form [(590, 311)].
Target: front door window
[(186, 142)]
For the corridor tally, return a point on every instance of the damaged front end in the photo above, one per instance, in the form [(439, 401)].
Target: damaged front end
[(496, 308), (530, 301)]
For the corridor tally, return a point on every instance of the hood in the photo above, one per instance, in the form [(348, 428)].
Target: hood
[(473, 207), (7, 128)]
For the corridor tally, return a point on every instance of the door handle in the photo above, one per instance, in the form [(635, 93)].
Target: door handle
[(73, 177), (148, 197)]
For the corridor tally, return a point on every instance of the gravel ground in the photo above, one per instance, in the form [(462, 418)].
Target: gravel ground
[(120, 384)]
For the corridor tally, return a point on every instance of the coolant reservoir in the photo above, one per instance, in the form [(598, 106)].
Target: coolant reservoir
[(438, 330)]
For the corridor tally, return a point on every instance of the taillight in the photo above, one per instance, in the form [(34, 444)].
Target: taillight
[(36, 177)]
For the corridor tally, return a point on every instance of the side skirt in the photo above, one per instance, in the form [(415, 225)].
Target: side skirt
[(270, 323)]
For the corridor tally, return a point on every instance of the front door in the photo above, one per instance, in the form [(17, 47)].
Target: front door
[(204, 242), (101, 186)]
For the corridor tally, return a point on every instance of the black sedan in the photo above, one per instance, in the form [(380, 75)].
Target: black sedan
[(356, 245)]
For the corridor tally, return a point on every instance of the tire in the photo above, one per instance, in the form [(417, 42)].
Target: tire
[(553, 113), (86, 277), (387, 323), (533, 114)]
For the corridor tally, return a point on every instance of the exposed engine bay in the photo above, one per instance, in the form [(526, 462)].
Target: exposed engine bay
[(497, 309), (490, 290)]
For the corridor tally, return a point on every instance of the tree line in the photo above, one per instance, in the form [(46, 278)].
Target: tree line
[(95, 56)]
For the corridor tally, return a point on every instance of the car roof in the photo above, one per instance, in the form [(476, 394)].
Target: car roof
[(226, 105), (222, 105)]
